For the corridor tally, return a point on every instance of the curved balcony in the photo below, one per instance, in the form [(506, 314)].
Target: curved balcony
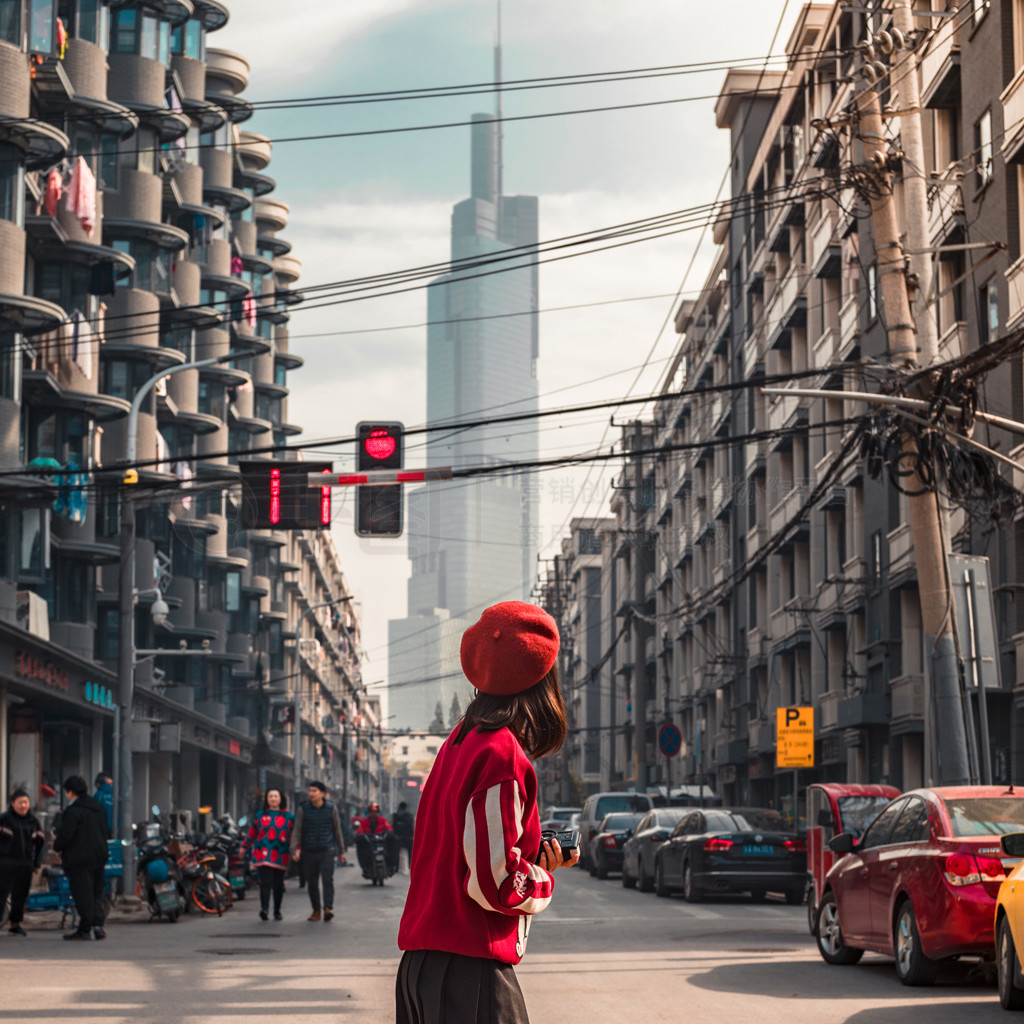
[(15, 96), (261, 184), (53, 384), (273, 213), (138, 83), (42, 144), (234, 287), (278, 246), (165, 236), (287, 359), (29, 314), (234, 200), (211, 13), (288, 269), (228, 69), (243, 235), (254, 149)]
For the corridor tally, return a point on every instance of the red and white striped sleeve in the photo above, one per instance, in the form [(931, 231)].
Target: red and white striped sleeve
[(500, 878)]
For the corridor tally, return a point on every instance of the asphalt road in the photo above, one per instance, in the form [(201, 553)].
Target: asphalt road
[(599, 953)]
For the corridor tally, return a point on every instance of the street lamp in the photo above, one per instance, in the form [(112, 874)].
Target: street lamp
[(126, 612), (297, 765)]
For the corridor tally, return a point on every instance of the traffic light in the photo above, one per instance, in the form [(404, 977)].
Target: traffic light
[(378, 508), (277, 496)]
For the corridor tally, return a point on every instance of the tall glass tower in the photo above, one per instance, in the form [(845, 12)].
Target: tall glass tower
[(472, 543)]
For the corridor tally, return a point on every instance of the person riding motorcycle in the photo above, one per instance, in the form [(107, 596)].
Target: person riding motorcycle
[(375, 824)]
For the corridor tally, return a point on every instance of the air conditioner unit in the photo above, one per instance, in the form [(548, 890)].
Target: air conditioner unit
[(180, 822), (32, 614)]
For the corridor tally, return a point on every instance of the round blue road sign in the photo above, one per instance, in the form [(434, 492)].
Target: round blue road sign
[(670, 739)]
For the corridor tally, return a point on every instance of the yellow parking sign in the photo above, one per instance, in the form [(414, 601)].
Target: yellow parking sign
[(794, 738)]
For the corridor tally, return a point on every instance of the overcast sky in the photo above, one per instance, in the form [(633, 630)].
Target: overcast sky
[(383, 203)]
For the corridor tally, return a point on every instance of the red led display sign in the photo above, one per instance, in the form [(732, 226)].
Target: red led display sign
[(277, 496)]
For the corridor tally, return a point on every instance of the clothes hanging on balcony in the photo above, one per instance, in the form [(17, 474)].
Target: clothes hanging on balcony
[(82, 342), (249, 309), (236, 266), (81, 199), (54, 190)]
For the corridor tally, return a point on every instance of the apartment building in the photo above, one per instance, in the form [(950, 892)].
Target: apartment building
[(831, 617), (139, 231)]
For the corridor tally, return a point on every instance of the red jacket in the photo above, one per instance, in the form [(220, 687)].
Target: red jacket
[(382, 826), (473, 884)]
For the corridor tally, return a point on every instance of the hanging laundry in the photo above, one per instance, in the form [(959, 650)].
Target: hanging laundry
[(163, 454), (236, 266), (81, 199), (82, 343), (183, 471), (851, 257), (54, 190), (72, 499), (101, 278), (62, 39), (249, 308)]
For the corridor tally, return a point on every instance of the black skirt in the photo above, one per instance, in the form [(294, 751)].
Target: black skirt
[(448, 988)]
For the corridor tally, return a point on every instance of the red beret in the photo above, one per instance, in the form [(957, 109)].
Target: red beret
[(511, 648)]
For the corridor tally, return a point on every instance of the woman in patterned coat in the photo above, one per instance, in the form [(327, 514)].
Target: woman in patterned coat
[(267, 845)]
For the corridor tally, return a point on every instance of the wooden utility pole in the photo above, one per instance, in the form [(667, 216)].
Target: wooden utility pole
[(934, 586), (639, 655)]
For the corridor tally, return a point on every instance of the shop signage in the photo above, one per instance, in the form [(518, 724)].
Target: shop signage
[(29, 667), (102, 696), (234, 747)]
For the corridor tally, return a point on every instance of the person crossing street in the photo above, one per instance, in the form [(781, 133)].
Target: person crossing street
[(21, 852), (316, 844)]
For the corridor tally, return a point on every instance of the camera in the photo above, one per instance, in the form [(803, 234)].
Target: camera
[(568, 840)]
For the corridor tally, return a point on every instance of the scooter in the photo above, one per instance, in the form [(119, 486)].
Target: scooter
[(159, 881), (375, 861)]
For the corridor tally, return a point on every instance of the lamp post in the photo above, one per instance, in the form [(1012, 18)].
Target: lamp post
[(126, 613), (297, 766)]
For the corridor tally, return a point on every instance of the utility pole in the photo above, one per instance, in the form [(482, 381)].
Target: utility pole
[(639, 668), (934, 585), (559, 613)]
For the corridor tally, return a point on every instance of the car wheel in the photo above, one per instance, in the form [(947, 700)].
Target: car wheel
[(795, 897), (831, 944), (912, 966), (644, 882), (660, 888), (1008, 968), (628, 881), (592, 868), (812, 913), (602, 868), (691, 892), (758, 895)]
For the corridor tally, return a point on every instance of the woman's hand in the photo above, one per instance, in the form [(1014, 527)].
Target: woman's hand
[(552, 858)]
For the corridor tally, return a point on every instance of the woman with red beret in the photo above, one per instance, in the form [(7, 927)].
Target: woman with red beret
[(481, 871), (267, 844)]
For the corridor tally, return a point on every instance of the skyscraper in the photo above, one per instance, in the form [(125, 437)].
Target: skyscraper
[(472, 543)]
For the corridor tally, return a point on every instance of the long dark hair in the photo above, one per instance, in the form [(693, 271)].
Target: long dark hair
[(280, 793), (536, 717)]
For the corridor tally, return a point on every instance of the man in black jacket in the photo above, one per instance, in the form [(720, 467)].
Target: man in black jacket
[(21, 852), (81, 842), (317, 842)]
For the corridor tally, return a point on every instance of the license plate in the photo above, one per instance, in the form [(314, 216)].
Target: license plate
[(757, 850), (238, 879), (167, 896)]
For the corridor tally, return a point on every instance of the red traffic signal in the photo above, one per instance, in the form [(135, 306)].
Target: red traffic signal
[(379, 508), (380, 445)]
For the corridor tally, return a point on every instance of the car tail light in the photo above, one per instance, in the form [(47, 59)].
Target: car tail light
[(990, 867), (961, 869), (796, 845), (717, 845), (609, 841)]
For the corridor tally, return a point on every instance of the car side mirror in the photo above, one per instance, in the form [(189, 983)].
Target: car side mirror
[(1013, 844), (629, 833), (825, 818), (842, 843)]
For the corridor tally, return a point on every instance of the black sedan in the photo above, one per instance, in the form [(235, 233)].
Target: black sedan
[(744, 849), (639, 850), (606, 846)]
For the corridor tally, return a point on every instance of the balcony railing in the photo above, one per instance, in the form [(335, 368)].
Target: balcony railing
[(1015, 284), (901, 549), (940, 66), (828, 710), (1012, 99), (787, 508), (907, 698)]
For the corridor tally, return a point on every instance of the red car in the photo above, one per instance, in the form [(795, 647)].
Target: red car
[(921, 883)]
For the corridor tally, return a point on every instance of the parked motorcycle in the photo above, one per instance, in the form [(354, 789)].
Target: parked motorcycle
[(159, 880), (205, 866), (237, 870)]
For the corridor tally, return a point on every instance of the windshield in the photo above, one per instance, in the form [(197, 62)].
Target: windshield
[(622, 802), (563, 813), (669, 817), (857, 812), (991, 816), (747, 821), (616, 822)]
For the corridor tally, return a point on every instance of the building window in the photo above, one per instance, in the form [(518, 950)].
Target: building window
[(983, 148), (85, 19), (189, 40), (10, 365), (106, 634), (141, 33), (872, 283), (58, 434), (876, 557), (980, 9), (989, 308), (10, 22), (42, 26), (12, 185), (275, 644)]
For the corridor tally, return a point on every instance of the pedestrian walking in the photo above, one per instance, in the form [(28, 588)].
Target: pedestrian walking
[(81, 841), (104, 796), (484, 871), (403, 824), (267, 844), (21, 853), (316, 843)]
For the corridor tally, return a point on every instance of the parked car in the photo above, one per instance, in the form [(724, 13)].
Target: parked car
[(1010, 925), (832, 808), (558, 818), (605, 853), (921, 884), (597, 805), (741, 849), (638, 851)]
